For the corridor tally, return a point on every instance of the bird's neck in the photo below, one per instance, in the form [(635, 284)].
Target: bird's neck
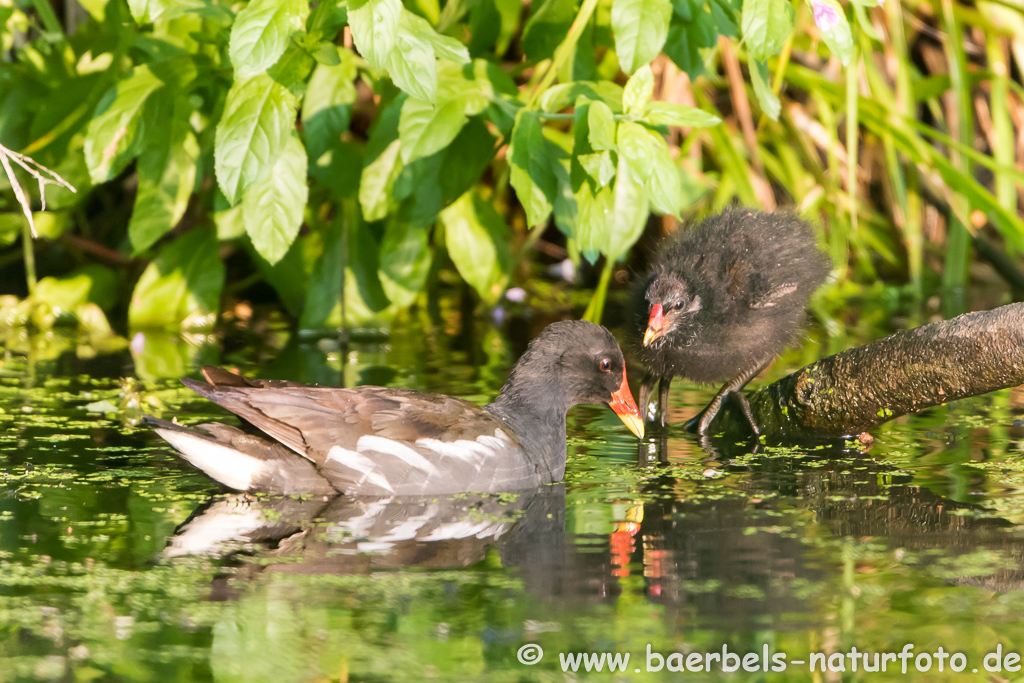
[(535, 410)]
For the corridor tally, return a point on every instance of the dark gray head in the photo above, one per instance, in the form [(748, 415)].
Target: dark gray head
[(671, 305), (570, 363)]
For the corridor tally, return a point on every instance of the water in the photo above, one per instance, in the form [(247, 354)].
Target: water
[(115, 563)]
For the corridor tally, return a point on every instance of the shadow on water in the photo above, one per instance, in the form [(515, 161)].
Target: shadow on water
[(119, 563)]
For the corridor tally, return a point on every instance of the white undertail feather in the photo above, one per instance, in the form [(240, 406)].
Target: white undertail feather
[(223, 464)]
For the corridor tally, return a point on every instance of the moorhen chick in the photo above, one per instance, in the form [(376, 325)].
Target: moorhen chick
[(721, 301), (386, 441)]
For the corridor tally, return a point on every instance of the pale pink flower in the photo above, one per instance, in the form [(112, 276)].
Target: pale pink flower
[(826, 16)]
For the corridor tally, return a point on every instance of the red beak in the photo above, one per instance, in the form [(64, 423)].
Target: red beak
[(656, 324), (624, 406)]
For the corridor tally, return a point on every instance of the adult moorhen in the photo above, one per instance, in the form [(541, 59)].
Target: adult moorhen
[(722, 301), (386, 441)]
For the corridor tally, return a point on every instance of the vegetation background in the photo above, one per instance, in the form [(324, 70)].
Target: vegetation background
[(281, 150)]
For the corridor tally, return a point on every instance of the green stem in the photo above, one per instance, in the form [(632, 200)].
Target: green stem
[(30, 258), (564, 50), (958, 240), (852, 131), (595, 309), (46, 15)]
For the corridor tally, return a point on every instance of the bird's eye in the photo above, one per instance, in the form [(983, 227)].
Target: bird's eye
[(605, 365), (679, 305)]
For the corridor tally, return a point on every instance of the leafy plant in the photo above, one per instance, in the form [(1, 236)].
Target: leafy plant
[(375, 143)]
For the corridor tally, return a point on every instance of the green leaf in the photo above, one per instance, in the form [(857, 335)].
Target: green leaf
[(182, 286), (412, 63), (531, 173), (638, 91), (272, 211), (425, 129), (293, 68), (150, 11), (565, 94), (258, 118), (601, 125), (599, 166), (766, 25), (663, 186), (377, 181), (262, 31), (546, 28), (110, 140), (477, 242), (834, 27), (327, 106), (445, 47), (695, 27), (636, 146), (672, 114), (640, 28), (166, 169), (629, 213), (592, 228), (766, 97), (374, 27), (405, 261)]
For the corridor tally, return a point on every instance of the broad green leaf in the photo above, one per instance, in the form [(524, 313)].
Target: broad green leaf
[(532, 174), (835, 29), (261, 32), (377, 181), (293, 68), (404, 261), (629, 213), (766, 25), (672, 114), (258, 118), (150, 11), (640, 28), (412, 64), (323, 293), (766, 97), (492, 26), (695, 27), (599, 166), (374, 27), (465, 160), (636, 146), (272, 211), (364, 295), (339, 169), (638, 91), (601, 125), (426, 129), (111, 135), (91, 284), (181, 287), (327, 106), (476, 238), (565, 94), (445, 47), (593, 226), (166, 170), (548, 23), (663, 186), (289, 275)]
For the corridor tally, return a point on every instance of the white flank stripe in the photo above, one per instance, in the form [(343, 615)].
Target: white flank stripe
[(378, 444), (360, 464), (223, 464)]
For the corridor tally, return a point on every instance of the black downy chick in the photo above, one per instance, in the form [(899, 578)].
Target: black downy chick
[(721, 301)]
